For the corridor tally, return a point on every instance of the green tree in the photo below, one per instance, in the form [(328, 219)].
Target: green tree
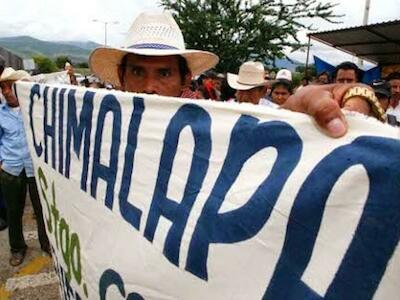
[(44, 64), (84, 65), (311, 71), (238, 30), (61, 60)]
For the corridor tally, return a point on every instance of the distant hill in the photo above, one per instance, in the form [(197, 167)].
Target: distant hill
[(78, 51), (84, 45), (26, 47)]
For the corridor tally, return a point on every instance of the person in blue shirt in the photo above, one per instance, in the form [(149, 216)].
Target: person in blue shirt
[(3, 212), (16, 170)]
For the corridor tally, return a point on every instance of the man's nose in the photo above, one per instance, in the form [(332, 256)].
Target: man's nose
[(150, 85)]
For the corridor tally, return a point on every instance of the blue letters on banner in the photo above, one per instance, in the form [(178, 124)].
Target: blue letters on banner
[(128, 211), (50, 130), (108, 173), (200, 123), (75, 131), (248, 137), (375, 238), (35, 91)]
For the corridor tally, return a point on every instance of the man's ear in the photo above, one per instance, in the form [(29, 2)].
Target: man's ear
[(187, 80), (121, 77)]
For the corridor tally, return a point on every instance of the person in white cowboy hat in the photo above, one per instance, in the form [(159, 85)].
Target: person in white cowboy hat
[(3, 211), (250, 83), (16, 169), (155, 61)]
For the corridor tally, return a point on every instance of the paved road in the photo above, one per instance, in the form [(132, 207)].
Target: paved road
[(35, 279)]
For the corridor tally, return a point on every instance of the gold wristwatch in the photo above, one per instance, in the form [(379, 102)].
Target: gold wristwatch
[(370, 97)]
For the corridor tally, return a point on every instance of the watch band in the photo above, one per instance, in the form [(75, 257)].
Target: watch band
[(370, 97)]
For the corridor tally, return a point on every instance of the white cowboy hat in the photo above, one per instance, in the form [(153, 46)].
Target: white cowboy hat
[(284, 74), (151, 34), (251, 75), (9, 74)]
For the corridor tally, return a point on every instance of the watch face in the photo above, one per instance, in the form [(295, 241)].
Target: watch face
[(392, 120)]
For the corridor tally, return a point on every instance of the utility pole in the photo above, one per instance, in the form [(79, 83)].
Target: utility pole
[(366, 11), (365, 22), (105, 28)]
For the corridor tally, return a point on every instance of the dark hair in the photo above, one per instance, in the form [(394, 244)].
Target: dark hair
[(284, 83), (323, 73), (393, 75), (182, 65), (226, 91), (211, 74), (347, 65), (183, 68), (2, 64)]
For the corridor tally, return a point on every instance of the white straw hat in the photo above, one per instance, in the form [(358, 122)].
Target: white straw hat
[(251, 75), (9, 74), (151, 34)]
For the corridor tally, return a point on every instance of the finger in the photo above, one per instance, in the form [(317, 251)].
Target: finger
[(322, 108), (328, 115)]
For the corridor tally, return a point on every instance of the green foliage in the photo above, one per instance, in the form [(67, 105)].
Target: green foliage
[(83, 65), (45, 64), (238, 30), (296, 79), (83, 71), (61, 60), (311, 72)]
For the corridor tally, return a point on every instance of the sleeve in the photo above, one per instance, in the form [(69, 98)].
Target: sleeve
[(1, 142)]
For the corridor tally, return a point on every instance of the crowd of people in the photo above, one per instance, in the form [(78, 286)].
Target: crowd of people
[(253, 84), (155, 61)]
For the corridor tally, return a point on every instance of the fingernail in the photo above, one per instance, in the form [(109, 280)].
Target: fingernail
[(336, 127)]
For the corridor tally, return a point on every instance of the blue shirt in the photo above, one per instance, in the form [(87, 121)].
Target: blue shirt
[(14, 152)]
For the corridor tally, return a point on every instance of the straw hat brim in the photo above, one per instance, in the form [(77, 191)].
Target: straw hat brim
[(9, 74), (104, 62), (233, 81)]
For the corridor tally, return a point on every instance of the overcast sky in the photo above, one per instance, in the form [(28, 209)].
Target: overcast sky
[(72, 20)]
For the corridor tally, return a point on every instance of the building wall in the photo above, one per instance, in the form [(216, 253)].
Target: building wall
[(12, 60)]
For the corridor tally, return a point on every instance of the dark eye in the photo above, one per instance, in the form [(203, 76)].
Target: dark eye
[(136, 71), (165, 72)]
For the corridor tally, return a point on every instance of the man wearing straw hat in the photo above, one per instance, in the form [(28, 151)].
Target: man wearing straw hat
[(155, 61), (250, 83), (3, 212), (16, 169)]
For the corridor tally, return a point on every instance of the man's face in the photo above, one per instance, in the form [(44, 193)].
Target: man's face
[(346, 76), (280, 94), (250, 96), (383, 101), (6, 90), (395, 87), (153, 75), (323, 79), (217, 84)]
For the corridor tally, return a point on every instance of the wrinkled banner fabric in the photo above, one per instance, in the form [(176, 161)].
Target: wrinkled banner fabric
[(148, 197)]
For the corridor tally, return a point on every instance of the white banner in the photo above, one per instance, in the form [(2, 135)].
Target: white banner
[(148, 197)]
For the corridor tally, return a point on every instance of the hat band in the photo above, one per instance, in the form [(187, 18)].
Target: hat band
[(250, 84), (153, 46)]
